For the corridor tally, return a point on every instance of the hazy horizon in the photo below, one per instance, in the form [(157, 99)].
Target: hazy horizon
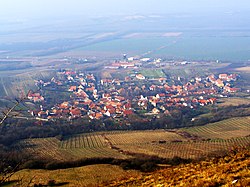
[(30, 9), (41, 27)]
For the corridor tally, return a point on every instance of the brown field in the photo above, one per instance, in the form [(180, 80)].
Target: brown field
[(193, 150), (233, 101), (244, 69), (75, 147), (230, 170), (142, 137), (226, 129), (106, 74), (208, 139), (82, 176), (211, 140)]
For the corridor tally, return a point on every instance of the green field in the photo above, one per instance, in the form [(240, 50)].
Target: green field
[(152, 73)]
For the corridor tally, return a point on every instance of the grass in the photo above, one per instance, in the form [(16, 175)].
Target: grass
[(73, 148), (191, 70), (244, 69), (153, 73), (187, 150), (223, 135), (230, 170), (141, 137), (233, 101), (93, 175), (18, 84)]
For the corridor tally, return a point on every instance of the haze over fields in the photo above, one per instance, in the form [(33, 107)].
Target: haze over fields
[(174, 29)]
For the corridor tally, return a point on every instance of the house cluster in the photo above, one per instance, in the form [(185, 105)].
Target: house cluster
[(223, 81), (35, 97), (115, 98)]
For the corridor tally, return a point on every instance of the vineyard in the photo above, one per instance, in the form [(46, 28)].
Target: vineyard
[(226, 129), (191, 150), (142, 137), (20, 83), (73, 148), (211, 139)]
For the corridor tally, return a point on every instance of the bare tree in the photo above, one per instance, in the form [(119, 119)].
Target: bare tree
[(8, 112), (7, 170)]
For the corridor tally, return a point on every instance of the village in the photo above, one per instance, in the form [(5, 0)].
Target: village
[(95, 98)]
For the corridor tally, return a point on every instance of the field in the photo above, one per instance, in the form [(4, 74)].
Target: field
[(189, 71), (192, 142), (153, 73), (226, 129), (73, 148), (244, 69), (18, 84), (233, 101), (83, 176), (230, 170), (196, 142)]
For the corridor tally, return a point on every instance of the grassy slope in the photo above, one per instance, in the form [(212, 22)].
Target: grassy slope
[(224, 171), (83, 176), (14, 85), (235, 101), (231, 170)]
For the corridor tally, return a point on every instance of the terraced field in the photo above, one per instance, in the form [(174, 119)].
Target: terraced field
[(169, 144), (226, 129), (20, 83), (142, 137), (187, 149), (75, 147), (210, 139)]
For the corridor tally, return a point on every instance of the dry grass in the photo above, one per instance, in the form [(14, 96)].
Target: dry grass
[(244, 69), (187, 150), (231, 170), (233, 101), (75, 147), (106, 74), (93, 175), (141, 137)]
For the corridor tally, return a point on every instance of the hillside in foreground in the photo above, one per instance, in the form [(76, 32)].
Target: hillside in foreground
[(231, 170)]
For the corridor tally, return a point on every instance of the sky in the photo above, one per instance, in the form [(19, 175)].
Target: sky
[(28, 9)]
